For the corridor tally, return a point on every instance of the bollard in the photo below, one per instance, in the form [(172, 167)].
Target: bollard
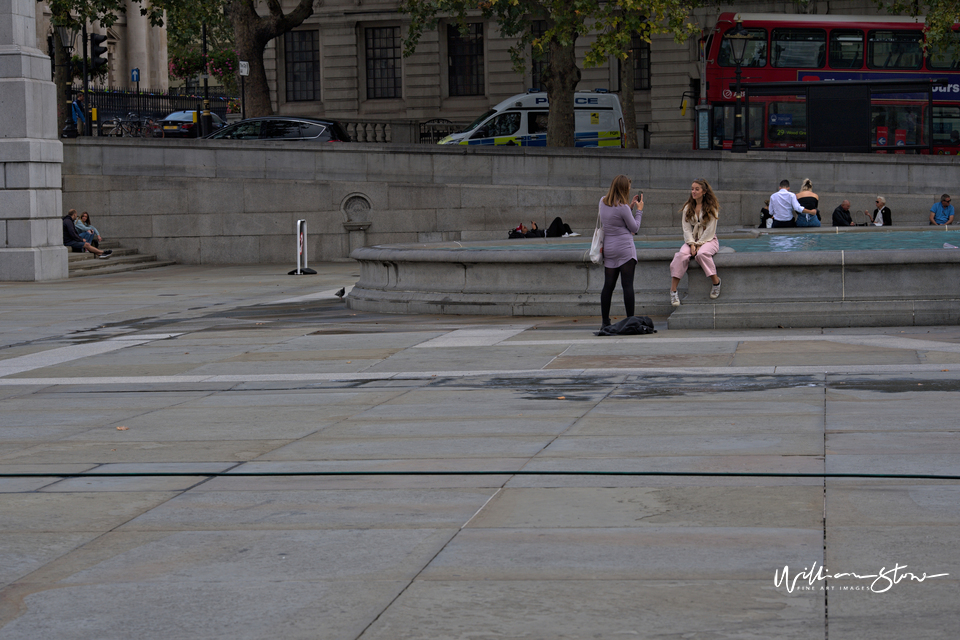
[(301, 251)]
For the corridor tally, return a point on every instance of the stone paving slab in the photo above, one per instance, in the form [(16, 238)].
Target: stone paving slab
[(579, 507), (293, 610), (642, 446), (872, 505), (320, 448), (324, 509), (74, 512), (608, 608), (23, 553), (622, 553), (120, 450)]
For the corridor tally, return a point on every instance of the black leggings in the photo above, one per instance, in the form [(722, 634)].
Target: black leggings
[(625, 273)]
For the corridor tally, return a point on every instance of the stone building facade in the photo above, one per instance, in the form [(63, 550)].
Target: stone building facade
[(345, 62)]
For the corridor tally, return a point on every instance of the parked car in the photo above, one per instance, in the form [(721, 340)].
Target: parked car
[(283, 128), (180, 124)]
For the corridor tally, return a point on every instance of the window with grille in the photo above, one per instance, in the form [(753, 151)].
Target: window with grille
[(383, 62), (302, 56), (641, 64), (465, 60), (539, 63)]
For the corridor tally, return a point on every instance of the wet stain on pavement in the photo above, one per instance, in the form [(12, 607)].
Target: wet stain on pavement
[(669, 386)]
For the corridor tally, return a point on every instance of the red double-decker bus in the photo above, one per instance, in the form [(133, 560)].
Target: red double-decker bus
[(829, 48)]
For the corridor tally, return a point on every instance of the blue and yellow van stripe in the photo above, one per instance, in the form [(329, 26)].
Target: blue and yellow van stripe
[(586, 139)]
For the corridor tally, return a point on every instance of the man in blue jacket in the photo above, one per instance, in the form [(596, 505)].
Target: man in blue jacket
[(79, 118)]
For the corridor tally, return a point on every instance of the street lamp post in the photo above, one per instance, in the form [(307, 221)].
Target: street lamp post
[(738, 44), (67, 36), (206, 120)]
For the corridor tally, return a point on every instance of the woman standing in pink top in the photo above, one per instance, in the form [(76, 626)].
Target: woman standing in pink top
[(620, 217), (700, 215)]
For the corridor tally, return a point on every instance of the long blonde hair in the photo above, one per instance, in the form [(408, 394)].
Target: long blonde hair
[(619, 192), (711, 207)]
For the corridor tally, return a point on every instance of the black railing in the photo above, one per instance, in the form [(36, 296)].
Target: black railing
[(433, 131), (113, 103)]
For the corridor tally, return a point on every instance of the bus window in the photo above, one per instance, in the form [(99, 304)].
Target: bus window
[(754, 55), (896, 124), (723, 119), (846, 49), (947, 56), (798, 48), (787, 124), (946, 125), (894, 50)]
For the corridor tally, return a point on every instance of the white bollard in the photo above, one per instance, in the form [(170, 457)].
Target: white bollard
[(301, 251)]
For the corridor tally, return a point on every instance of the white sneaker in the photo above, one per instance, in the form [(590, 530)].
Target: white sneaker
[(574, 234), (715, 291), (675, 298)]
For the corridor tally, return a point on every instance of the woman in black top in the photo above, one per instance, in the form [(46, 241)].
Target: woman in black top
[(808, 200)]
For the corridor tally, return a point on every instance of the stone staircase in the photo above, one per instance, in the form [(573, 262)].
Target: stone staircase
[(86, 264)]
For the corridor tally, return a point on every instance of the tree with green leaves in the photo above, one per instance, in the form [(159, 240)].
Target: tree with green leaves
[(73, 14), (940, 16), (185, 30), (615, 21), (251, 33)]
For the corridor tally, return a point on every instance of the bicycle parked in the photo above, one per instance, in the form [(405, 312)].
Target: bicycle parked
[(134, 127)]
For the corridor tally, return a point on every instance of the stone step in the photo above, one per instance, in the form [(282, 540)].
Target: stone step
[(97, 263), (117, 267), (73, 258), (122, 259)]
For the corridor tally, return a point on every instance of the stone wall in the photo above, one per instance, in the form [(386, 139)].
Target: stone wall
[(223, 202)]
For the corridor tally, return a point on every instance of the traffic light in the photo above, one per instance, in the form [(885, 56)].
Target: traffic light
[(98, 53)]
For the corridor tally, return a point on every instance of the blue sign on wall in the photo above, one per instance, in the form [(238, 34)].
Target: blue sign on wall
[(135, 75)]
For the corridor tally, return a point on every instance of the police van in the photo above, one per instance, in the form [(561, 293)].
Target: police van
[(522, 121)]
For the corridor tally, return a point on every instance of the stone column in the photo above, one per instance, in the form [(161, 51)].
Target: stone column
[(31, 237)]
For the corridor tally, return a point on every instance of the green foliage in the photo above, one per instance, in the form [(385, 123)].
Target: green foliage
[(76, 70), (940, 16), (615, 22), (189, 63), (73, 13), (185, 19)]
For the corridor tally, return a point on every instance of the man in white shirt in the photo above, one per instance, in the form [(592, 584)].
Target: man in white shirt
[(782, 205)]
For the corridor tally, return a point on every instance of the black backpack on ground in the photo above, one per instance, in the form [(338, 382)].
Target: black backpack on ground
[(632, 326)]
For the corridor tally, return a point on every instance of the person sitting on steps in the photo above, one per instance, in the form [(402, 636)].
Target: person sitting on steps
[(73, 240)]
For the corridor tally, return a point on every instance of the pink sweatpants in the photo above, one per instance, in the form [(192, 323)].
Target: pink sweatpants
[(704, 257)]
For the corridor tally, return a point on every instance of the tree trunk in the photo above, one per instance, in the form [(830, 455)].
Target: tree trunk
[(561, 78), (628, 103), (251, 33)]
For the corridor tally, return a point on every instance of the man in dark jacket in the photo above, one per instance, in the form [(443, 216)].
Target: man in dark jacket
[(841, 215), (73, 240)]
